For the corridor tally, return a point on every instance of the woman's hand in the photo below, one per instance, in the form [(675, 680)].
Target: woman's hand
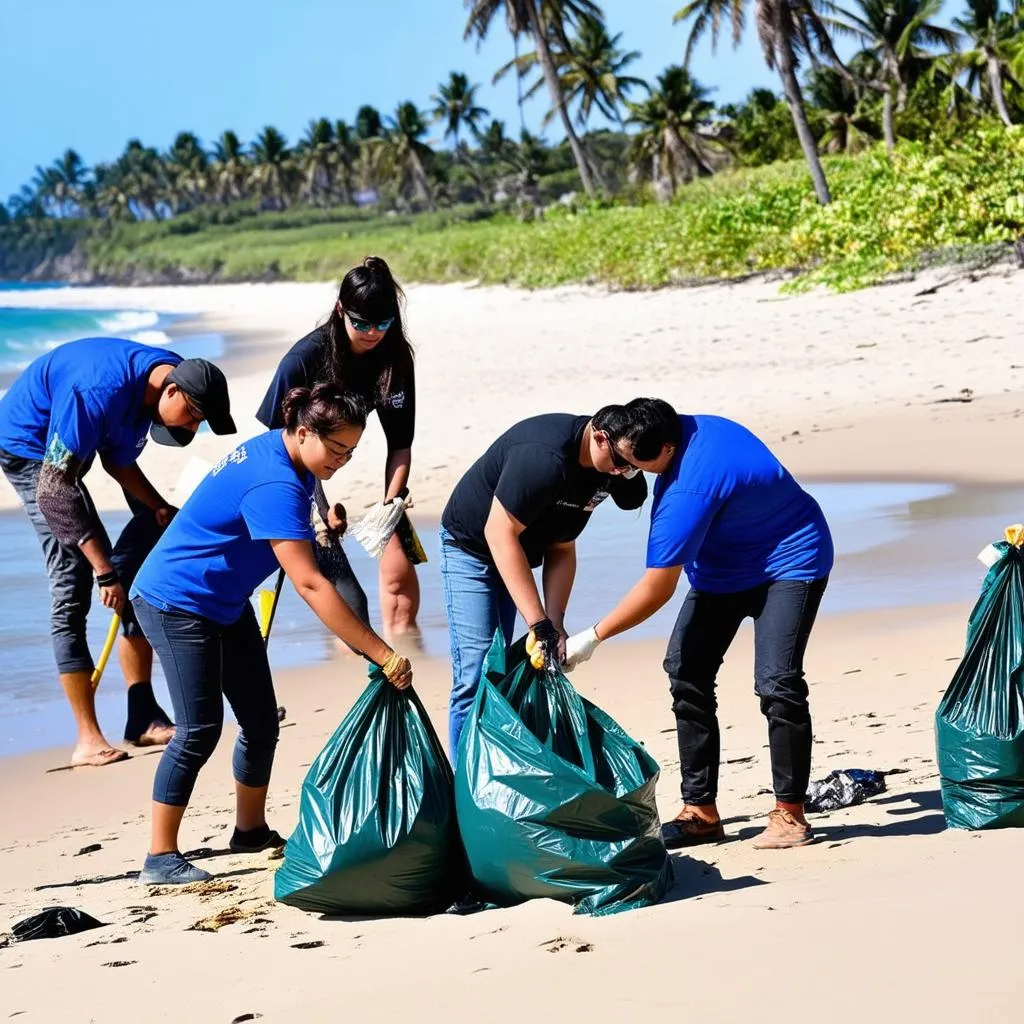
[(397, 670)]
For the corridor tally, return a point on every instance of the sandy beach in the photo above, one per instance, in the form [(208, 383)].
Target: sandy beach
[(888, 915)]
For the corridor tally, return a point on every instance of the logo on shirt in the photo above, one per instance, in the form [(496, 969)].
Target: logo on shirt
[(238, 456), (397, 400), (140, 444), (595, 501)]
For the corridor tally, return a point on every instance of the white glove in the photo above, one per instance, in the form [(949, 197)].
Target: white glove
[(374, 530), (579, 647)]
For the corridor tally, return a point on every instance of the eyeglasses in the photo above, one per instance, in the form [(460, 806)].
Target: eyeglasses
[(339, 451), (365, 326), (618, 460), (193, 410)]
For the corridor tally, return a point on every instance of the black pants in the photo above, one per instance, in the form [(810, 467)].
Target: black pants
[(783, 614)]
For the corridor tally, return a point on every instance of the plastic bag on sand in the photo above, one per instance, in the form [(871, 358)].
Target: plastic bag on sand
[(554, 799), (844, 788), (374, 530), (979, 724), (54, 923), (376, 832)]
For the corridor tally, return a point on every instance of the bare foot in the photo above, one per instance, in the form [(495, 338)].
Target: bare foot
[(96, 756), (157, 735)]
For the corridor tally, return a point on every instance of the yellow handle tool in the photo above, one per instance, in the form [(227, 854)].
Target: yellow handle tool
[(108, 646), (268, 606)]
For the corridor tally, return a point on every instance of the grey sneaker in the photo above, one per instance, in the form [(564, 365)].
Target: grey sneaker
[(170, 869)]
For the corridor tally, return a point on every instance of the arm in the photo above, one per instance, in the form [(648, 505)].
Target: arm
[(137, 484), (501, 531), (296, 558), (396, 473), (651, 593), (559, 574)]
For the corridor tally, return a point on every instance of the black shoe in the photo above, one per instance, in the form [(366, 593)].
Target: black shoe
[(256, 840)]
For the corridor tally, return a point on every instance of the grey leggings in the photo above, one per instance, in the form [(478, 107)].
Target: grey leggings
[(71, 577)]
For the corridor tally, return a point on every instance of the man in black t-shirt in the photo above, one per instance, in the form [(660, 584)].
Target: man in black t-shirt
[(521, 505)]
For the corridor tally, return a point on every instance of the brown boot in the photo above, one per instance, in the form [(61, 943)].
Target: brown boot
[(783, 832), (690, 830)]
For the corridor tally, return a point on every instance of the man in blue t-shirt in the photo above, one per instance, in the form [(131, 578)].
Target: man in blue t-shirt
[(101, 396), (753, 544)]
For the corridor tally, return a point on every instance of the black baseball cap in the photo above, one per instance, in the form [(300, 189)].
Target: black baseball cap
[(207, 389)]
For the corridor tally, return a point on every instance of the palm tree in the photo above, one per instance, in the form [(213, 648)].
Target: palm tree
[(273, 173), (545, 21), (674, 137), (897, 32), (346, 153), (456, 107), (368, 123), (403, 156), (839, 104), (230, 169), (995, 35), (786, 29), (187, 167), (317, 154), (68, 179)]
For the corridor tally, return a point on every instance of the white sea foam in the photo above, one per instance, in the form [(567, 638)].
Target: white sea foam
[(128, 321)]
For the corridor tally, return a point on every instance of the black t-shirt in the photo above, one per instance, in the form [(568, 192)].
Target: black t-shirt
[(303, 366), (534, 470)]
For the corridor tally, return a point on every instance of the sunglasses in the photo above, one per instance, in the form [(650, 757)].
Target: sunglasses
[(365, 326), (618, 461), (193, 410)]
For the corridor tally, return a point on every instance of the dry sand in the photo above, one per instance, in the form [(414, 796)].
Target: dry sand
[(886, 917)]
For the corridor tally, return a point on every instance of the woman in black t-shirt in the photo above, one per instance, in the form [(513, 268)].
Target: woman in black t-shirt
[(362, 347)]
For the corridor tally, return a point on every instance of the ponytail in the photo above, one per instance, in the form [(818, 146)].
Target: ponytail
[(322, 409)]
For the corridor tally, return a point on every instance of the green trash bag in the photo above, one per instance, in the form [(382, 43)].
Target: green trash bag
[(553, 798), (979, 724), (377, 832)]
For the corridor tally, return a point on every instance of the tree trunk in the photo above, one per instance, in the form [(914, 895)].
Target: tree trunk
[(791, 87), (420, 184), (995, 82), (890, 135), (555, 88)]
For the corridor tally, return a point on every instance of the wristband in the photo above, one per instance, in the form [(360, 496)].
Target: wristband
[(107, 579)]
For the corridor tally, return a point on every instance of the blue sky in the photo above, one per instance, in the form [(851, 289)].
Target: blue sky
[(91, 76)]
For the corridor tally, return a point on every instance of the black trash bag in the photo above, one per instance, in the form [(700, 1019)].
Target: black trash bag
[(979, 723), (844, 788), (53, 923), (376, 833)]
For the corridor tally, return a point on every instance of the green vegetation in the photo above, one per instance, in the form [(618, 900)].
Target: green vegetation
[(910, 152)]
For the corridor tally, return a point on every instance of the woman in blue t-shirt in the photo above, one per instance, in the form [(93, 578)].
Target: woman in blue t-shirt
[(251, 514), (752, 544)]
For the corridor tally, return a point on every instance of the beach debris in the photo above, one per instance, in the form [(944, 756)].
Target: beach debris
[(844, 788), (119, 963), (54, 923), (204, 890), (242, 1017), (312, 944), (91, 848), (214, 923)]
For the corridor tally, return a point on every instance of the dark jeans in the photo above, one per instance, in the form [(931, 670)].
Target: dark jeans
[(71, 576), (204, 663), (783, 614)]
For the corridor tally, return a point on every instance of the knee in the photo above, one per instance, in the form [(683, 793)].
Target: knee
[(785, 704), (690, 697), (194, 744)]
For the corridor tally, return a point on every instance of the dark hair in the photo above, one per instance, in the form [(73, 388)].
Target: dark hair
[(323, 409), (371, 293), (646, 423)]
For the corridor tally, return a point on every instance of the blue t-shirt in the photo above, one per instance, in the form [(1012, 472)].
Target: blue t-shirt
[(217, 551), (83, 398), (730, 513)]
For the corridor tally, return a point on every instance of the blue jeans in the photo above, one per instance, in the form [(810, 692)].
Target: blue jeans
[(69, 571), (204, 663), (477, 603)]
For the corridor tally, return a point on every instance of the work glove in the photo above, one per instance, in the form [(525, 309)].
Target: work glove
[(579, 647), (374, 530), (542, 645)]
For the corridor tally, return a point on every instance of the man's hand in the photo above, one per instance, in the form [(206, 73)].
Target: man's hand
[(165, 514), (542, 645), (112, 594), (579, 648)]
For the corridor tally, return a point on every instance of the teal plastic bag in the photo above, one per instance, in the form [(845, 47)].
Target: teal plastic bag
[(554, 799), (979, 724), (377, 833)]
